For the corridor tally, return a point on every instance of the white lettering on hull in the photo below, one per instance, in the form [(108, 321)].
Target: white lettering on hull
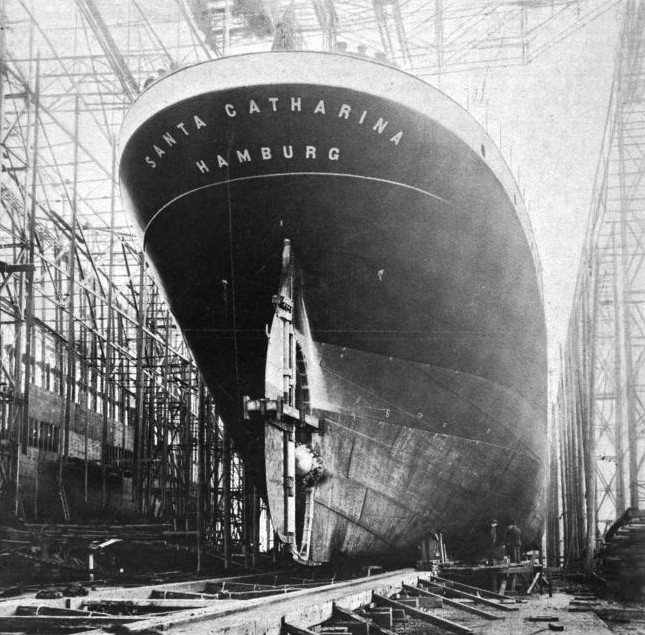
[(171, 138), (265, 153)]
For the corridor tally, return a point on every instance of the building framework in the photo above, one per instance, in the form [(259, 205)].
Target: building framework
[(599, 413), (96, 384)]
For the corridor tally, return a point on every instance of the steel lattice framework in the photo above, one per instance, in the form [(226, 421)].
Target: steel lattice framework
[(600, 406), (80, 315)]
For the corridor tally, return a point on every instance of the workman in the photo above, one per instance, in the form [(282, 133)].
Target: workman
[(492, 541), (492, 533), (514, 541)]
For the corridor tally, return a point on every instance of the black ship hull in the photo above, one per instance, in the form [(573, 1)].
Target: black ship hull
[(425, 354)]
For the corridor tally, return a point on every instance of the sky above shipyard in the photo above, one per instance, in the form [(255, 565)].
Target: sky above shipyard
[(550, 116)]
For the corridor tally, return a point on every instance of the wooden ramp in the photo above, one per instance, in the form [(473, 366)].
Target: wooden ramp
[(623, 557)]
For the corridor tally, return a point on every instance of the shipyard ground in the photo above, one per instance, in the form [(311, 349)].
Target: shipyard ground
[(145, 582), (393, 602)]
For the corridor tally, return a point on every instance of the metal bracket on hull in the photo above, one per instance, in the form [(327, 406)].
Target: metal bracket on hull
[(280, 414)]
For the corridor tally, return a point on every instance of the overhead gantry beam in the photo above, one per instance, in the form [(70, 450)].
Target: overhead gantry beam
[(90, 12)]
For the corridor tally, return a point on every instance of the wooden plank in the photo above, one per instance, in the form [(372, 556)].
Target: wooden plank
[(51, 623), (467, 587), (585, 596), (458, 605), (354, 628), (419, 601), (382, 616), (373, 626), (536, 577), (251, 595), (621, 613), (513, 582), (40, 609), (167, 604), (422, 615), (413, 602), (301, 608), (290, 629), (476, 598), (181, 595), (196, 586)]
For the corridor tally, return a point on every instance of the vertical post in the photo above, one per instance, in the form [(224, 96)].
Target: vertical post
[(580, 468), (188, 445), (290, 484), (620, 414), (86, 467), (625, 343), (561, 495), (166, 424), (558, 554), (629, 386), (201, 468), (226, 496), (71, 343), (107, 366), (3, 57), (590, 318), (210, 463), (269, 532), (59, 363), (562, 466), (156, 409), (568, 469), (6, 458), (624, 89), (216, 468), (255, 524), (31, 236), (116, 394), (140, 388), (21, 415), (247, 525), (553, 506)]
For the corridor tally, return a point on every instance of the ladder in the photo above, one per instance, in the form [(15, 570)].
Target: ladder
[(63, 500), (20, 508), (305, 545)]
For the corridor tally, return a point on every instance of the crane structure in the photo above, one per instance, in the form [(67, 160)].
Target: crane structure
[(599, 411)]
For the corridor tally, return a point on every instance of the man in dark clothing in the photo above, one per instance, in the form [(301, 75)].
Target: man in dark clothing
[(514, 541)]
